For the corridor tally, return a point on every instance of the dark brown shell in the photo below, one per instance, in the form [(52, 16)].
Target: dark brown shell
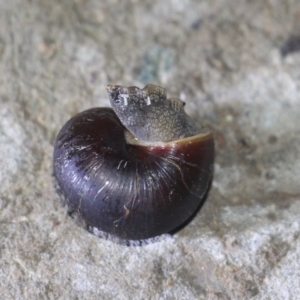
[(133, 192)]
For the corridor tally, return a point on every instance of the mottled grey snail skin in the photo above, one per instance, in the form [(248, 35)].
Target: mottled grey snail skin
[(136, 171), (149, 115)]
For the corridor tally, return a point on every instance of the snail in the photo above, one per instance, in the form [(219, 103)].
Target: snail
[(137, 170)]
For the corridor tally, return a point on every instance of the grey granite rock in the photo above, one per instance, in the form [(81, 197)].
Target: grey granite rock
[(224, 58)]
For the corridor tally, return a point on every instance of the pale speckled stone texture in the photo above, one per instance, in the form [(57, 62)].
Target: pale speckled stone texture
[(224, 59)]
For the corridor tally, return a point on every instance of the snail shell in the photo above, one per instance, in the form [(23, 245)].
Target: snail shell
[(134, 182)]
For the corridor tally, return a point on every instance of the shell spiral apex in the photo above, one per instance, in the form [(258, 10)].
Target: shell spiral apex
[(137, 170)]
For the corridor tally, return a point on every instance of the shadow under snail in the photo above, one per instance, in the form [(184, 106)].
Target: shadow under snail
[(137, 170)]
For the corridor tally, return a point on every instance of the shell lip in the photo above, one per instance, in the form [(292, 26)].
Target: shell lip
[(130, 139)]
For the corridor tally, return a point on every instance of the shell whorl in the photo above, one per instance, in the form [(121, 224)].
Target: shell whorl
[(132, 189)]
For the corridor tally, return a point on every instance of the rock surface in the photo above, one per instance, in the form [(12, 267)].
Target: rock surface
[(234, 64)]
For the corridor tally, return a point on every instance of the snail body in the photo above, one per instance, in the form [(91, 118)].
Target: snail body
[(133, 182)]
